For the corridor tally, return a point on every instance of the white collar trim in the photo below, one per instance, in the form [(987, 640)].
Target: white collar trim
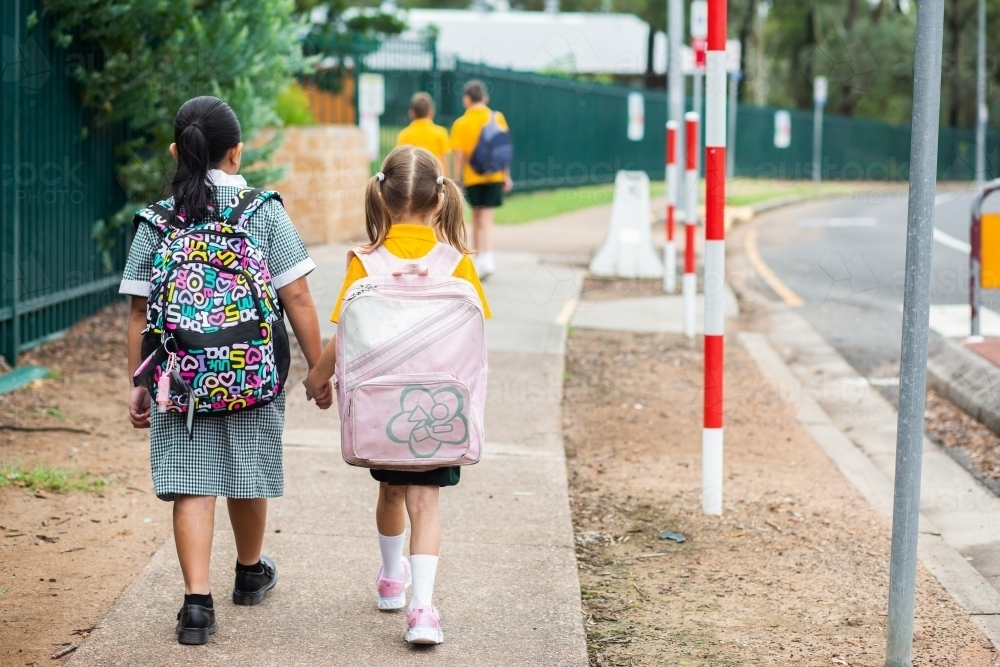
[(219, 177)]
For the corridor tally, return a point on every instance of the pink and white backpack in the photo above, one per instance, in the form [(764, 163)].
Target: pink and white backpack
[(411, 364)]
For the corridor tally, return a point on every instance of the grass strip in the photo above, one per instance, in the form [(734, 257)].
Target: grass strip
[(44, 478)]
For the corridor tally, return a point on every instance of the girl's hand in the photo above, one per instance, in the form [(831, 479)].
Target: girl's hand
[(324, 399), (138, 407), (318, 390)]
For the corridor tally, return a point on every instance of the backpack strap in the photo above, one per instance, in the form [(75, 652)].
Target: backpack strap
[(374, 262), (244, 204), (157, 215), (442, 260)]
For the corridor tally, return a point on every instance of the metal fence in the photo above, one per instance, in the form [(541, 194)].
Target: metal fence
[(57, 179), (573, 132)]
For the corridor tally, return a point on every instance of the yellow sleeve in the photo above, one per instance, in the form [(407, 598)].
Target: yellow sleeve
[(457, 142), (502, 122), (404, 137), (445, 144), (355, 272), (466, 270)]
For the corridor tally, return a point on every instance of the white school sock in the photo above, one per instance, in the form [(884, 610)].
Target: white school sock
[(424, 568), (486, 263), (392, 554)]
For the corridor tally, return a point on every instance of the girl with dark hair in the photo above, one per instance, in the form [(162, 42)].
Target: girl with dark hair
[(236, 454), (410, 208)]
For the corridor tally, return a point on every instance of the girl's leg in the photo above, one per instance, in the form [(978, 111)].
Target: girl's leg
[(425, 540), (482, 229), (249, 519), (391, 523), (194, 526)]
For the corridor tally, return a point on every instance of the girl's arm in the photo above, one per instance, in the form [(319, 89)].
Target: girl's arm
[(138, 398), (324, 369), (298, 304)]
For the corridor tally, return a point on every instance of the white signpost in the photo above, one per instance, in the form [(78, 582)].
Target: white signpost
[(734, 56), (819, 101), (636, 116), (371, 105), (627, 251), (782, 129)]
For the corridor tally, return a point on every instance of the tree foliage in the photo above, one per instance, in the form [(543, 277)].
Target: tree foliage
[(154, 55)]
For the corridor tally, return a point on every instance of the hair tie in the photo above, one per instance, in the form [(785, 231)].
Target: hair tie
[(440, 180), (380, 176)]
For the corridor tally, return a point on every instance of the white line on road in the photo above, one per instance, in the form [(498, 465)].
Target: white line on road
[(950, 241), (944, 238), (836, 222)]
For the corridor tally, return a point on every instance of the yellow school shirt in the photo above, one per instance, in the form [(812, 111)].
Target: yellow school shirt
[(465, 133), (411, 242), (423, 133)]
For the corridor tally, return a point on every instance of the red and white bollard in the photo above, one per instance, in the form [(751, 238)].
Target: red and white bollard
[(670, 249), (689, 282), (715, 256)]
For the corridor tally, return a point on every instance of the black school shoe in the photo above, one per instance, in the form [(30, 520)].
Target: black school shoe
[(251, 587), (195, 623)]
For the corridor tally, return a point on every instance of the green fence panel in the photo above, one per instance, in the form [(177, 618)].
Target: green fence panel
[(58, 178), (571, 132)]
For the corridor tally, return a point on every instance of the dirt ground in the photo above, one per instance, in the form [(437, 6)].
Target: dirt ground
[(794, 573), (949, 426), (65, 557)]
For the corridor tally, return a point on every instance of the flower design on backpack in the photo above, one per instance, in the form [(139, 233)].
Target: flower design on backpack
[(428, 419)]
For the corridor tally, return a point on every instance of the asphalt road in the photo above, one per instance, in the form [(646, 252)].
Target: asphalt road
[(845, 259)]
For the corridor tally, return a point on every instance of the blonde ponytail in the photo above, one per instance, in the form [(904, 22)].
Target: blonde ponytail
[(377, 217), (450, 218)]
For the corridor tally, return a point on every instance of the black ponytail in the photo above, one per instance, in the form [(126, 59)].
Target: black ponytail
[(205, 129)]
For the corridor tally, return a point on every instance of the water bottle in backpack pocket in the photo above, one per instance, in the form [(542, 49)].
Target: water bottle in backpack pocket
[(411, 364), (215, 339)]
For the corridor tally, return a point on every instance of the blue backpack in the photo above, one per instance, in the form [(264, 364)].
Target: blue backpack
[(494, 151)]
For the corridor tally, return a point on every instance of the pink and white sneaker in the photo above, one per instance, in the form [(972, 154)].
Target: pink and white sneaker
[(425, 626), (392, 592)]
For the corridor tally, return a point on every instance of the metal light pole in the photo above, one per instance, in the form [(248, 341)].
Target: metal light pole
[(982, 113), (675, 75), (819, 101), (916, 311)]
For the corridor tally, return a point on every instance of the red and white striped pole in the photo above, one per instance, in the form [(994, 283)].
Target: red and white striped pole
[(670, 249), (689, 283), (715, 256)]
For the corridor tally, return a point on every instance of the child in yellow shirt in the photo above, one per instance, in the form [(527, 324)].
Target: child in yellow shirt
[(422, 132)]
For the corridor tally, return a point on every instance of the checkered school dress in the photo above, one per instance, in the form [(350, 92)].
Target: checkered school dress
[(238, 455)]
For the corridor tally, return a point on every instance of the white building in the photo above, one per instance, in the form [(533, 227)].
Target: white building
[(585, 43), (549, 41)]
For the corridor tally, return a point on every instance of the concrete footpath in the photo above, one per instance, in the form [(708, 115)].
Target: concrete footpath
[(507, 584)]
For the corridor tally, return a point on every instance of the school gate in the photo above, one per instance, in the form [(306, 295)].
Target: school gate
[(57, 180)]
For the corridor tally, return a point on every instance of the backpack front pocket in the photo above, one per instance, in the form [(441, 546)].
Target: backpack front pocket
[(421, 420)]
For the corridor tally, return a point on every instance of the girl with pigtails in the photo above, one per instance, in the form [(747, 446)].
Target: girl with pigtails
[(411, 209)]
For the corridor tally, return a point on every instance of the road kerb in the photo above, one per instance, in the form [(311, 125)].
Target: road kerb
[(969, 589)]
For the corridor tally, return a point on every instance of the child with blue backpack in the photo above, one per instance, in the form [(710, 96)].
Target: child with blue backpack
[(410, 363), (481, 144), (212, 272)]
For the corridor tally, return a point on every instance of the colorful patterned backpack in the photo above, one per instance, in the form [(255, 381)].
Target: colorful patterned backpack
[(215, 339), (411, 364)]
